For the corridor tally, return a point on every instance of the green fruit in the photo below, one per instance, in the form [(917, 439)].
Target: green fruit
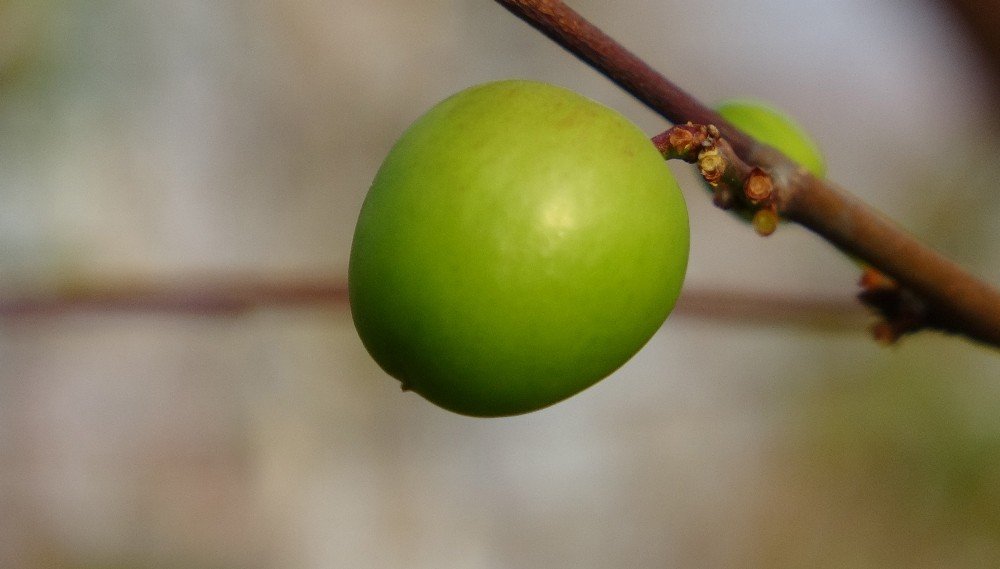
[(519, 243), (772, 127)]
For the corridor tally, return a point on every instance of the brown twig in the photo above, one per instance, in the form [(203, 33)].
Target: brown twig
[(595, 48), (954, 300), (735, 184), (981, 19), (211, 296), (748, 308), (235, 295)]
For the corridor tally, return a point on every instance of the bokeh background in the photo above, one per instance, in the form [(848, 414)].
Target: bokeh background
[(164, 141)]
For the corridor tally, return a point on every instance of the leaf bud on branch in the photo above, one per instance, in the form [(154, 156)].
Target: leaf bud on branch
[(735, 184)]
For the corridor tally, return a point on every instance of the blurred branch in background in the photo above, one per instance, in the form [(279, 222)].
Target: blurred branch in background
[(238, 294), (981, 19), (198, 295)]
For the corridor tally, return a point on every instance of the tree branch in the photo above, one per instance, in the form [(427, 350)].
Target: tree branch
[(981, 19), (230, 295), (952, 299), (234, 295)]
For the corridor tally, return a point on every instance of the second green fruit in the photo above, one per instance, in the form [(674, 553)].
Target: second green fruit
[(774, 128)]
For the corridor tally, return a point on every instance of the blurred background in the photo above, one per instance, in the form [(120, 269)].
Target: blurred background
[(162, 142)]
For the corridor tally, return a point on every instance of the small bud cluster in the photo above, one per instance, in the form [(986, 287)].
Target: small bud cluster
[(734, 183)]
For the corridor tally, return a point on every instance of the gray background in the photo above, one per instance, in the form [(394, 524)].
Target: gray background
[(167, 140)]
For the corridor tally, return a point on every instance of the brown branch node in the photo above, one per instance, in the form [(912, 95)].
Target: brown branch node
[(758, 186), (735, 184), (711, 164), (900, 311)]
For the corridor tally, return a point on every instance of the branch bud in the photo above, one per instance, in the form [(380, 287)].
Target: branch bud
[(758, 186), (681, 140), (765, 221), (712, 165)]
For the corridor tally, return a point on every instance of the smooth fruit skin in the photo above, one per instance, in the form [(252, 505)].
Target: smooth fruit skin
[(774, 128), (519, 243)]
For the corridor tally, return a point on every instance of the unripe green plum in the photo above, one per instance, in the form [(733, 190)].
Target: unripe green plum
[(519, 243), (774, 128)]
